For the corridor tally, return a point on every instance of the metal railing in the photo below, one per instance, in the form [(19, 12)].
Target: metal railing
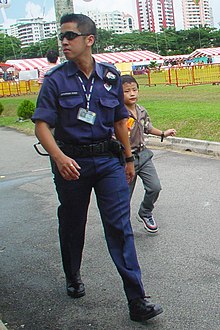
[(181, 76), (16, 88)]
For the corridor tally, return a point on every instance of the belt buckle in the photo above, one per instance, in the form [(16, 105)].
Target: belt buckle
[(95, 148)]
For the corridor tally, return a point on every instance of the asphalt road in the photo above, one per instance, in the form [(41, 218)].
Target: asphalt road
[(180, 265)]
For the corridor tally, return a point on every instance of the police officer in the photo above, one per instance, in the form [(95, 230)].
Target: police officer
[(83, 102)]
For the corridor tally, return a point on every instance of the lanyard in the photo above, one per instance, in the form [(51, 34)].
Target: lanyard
[(89, 94)]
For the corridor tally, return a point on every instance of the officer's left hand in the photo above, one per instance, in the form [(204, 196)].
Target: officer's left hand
[(130, 172)]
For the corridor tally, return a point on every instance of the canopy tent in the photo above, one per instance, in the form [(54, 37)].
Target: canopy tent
[(176, 57), (206, 52), (118, 57), (125, 57), (28, 64), (4, 67), (135, 57)]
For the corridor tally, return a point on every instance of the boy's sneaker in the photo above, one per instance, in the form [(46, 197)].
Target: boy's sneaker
[(149, 223), (141, 309)]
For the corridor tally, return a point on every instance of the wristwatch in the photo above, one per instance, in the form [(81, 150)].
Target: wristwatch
[(162, 136), (129, 159)]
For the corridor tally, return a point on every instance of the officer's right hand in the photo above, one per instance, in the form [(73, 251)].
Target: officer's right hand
[(68, 168), (130, 172)]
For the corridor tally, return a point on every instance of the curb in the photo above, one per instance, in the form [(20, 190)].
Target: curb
[(191, 145)]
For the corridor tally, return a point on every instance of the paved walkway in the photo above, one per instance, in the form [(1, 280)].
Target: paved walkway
[(180, 265)]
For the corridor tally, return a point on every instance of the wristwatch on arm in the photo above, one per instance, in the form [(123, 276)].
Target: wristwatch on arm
[(162, 136), (129, 159)]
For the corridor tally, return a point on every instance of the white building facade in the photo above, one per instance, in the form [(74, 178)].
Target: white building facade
[(197, 13), (32, 30), (115, 21)]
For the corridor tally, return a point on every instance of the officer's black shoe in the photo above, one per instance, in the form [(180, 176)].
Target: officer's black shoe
[(75, 287), (142, 310)]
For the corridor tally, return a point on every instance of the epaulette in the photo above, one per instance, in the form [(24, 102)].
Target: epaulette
[(111, 74), (54, 68), (110, 66)]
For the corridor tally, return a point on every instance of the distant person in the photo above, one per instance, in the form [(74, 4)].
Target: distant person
[(52, 58), (83, 101), (140, 124), (209, 59)]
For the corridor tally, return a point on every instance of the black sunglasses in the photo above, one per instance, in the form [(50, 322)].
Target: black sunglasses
[(70, 35)]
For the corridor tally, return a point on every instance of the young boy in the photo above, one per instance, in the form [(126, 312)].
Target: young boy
[(139, 124)]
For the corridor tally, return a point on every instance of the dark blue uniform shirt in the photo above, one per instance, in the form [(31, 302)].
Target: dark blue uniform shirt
[(62, 95)]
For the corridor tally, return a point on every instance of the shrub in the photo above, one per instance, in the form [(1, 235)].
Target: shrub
[(1, 108), (26, 109)]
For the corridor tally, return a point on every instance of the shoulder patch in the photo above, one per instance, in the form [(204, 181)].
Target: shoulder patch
[(111, 74), (55, 68)]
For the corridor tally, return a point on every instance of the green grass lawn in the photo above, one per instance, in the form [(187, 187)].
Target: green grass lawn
[(193, 111), (9, 116)]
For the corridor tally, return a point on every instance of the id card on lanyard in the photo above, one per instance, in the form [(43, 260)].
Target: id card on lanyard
[(85, 114)]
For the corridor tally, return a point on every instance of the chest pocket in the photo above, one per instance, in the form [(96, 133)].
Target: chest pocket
[(71, 102), (110, 103), (108, 106), (69, 107)]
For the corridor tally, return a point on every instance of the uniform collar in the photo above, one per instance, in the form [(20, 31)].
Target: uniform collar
[(72, 69), (140, 108), (99, 70)]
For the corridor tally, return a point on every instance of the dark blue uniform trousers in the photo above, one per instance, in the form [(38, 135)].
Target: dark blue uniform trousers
[(107, 176)]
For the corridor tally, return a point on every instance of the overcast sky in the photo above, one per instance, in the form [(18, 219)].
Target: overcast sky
[(38, 8)]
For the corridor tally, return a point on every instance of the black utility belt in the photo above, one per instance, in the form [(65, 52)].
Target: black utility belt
[(106, 147)]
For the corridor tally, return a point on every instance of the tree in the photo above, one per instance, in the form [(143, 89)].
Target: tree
[(167, 42), (103, 41), (39, 49), (10, 47)]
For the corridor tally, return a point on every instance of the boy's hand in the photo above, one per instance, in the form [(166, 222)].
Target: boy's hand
[(170, 132)]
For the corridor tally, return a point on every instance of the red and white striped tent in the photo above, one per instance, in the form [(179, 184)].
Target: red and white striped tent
[(117, 57), (176, 57), (126, 57), (28, 64), (201, 52)]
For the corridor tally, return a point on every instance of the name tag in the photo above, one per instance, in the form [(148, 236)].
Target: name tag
[(69, 93), (86, 115)]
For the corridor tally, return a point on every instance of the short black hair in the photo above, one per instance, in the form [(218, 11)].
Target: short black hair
[(127, 78), (52, 56), (84, 23)]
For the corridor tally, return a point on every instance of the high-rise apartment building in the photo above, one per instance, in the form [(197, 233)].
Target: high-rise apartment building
[(32, 30), (145, 15), (196, 13), (155, 15), (115, 21)]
